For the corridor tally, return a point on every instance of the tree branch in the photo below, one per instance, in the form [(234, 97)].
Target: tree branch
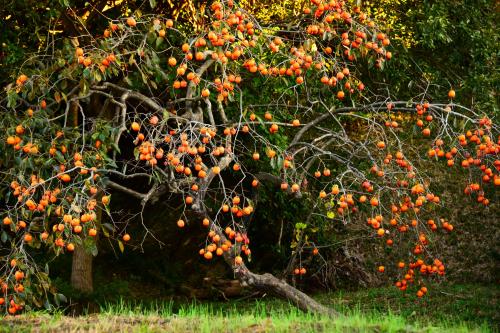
[(192, 86), (126, 190)]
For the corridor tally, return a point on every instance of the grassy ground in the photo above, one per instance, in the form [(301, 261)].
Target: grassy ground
[(470, 308)]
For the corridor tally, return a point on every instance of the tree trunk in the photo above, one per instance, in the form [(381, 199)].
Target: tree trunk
[(270, 283), (81, 270)]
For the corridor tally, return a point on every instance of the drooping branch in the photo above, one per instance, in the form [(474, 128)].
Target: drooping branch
[(274, 181), (270, 283), (132, 94), (126, 190), (150, 102), (123, 175)]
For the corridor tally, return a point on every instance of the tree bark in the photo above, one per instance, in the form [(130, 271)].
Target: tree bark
[(81, 270), (270, 283), (81, 267)]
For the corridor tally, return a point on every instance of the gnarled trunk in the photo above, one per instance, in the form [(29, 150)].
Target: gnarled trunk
[(81, 270), (270, 283)]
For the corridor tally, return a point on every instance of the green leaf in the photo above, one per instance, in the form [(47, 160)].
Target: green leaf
[(12, 99), (4, 237), (111, 163), (273, 163), (279, 162), (97, 76), (158, 42), (86, 73), (93, 250), (152, 3), (155, 58), (120, 245), (300, 226), (115, 147), (108, 226), (144, 78), (60, 157), (91, 246), (84, 86)]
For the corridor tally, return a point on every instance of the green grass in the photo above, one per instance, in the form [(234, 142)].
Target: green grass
[(476, 304), (469, 308)]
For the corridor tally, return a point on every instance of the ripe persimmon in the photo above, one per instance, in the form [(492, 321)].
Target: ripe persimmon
[(65, 178), (135, 126), (19, 275), (131, 22), (205, 93)]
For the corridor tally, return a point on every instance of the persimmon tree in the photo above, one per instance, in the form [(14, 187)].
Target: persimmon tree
[(208, 116)]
